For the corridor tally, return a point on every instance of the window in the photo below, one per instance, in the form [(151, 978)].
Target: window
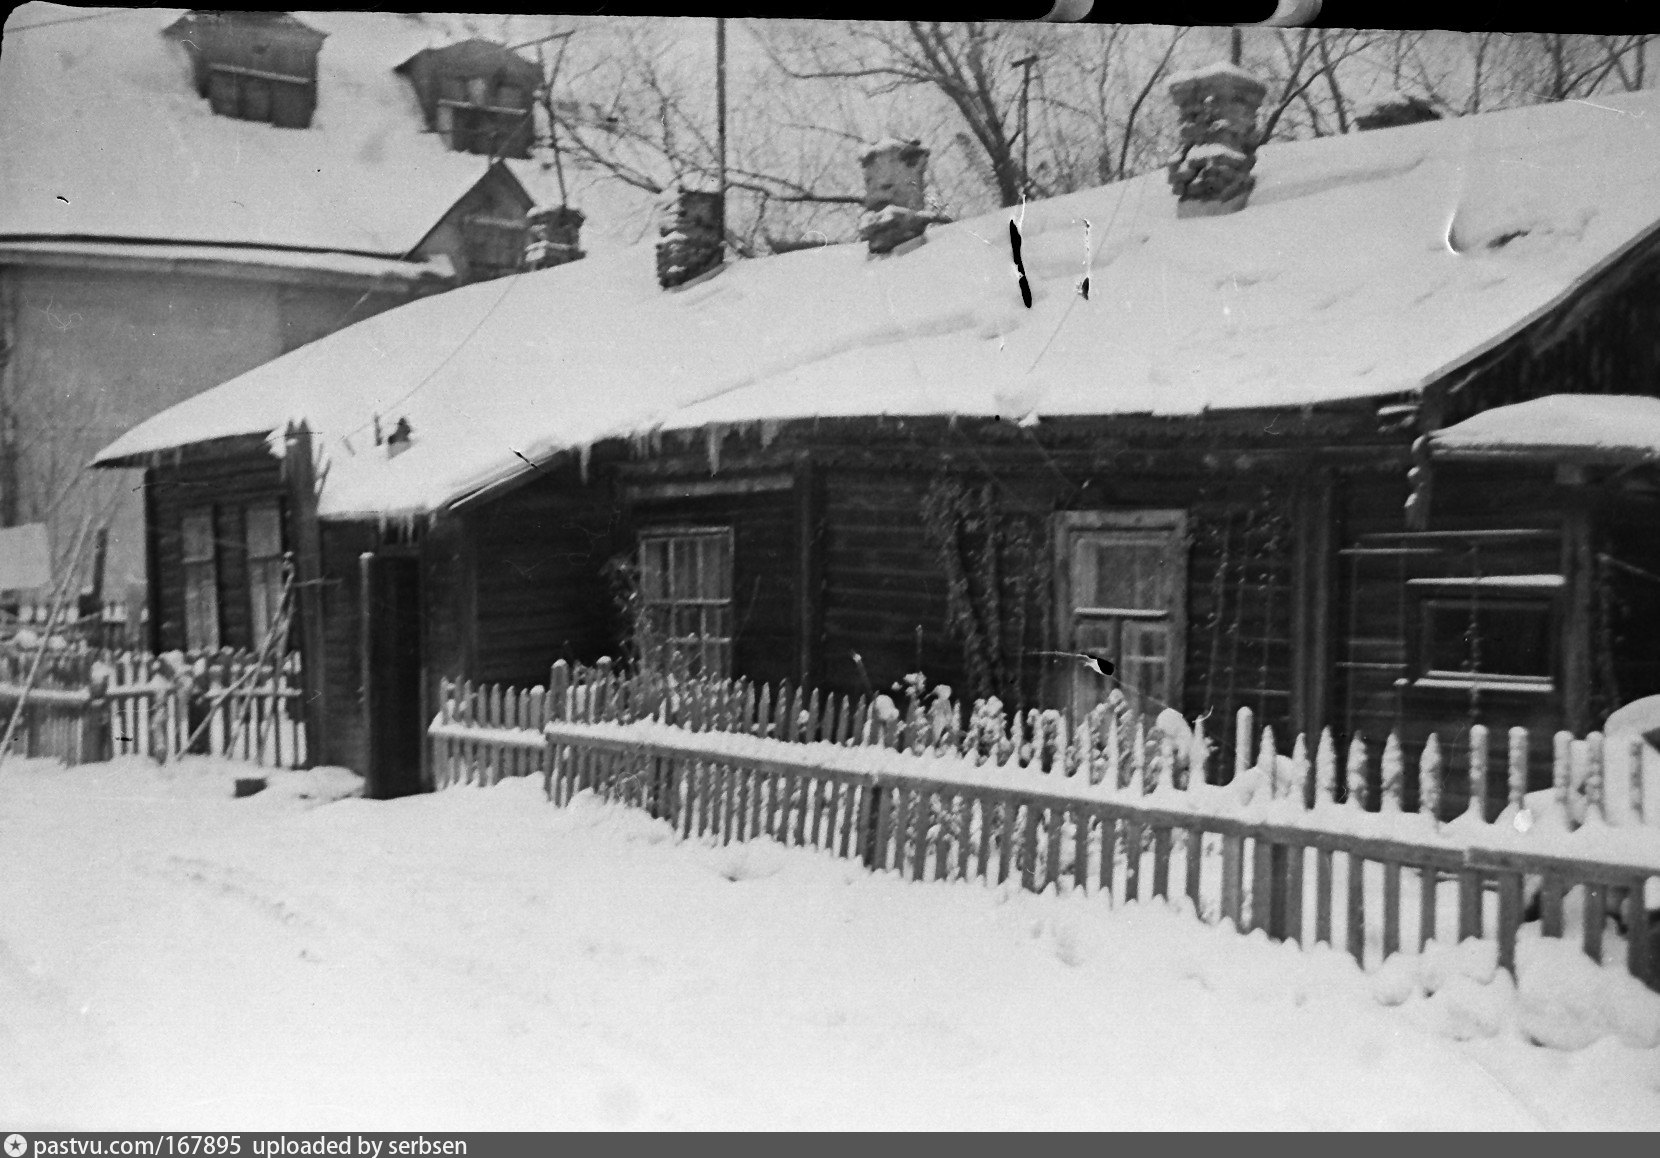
[(495, 245), (201, 582), (1123, 583), (254, 66), (262, 530), (487, 117), (1496, 632), (686, 600)]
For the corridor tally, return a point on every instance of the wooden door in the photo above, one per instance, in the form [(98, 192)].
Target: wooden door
[(393, 719)]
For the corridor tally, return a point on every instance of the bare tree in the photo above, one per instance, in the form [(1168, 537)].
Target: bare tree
[(634, 106)]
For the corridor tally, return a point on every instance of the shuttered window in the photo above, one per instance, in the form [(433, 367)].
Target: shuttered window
[(263, 534), (686, 600), (201, 581), (1124, 578)]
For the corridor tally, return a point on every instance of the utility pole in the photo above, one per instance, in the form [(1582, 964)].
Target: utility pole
[(1236, 48), (10, 476), (1025, 63), (720, 116)]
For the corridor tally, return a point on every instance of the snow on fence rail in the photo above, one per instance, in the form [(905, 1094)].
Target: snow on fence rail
[(83, 704), (1110, 803)]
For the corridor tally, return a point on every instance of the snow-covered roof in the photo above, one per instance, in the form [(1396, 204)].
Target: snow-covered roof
[(1336, 282), (104, 135), (1586, 428)]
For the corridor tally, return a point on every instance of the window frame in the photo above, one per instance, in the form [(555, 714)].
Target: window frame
[(1071, 528), (202, 626), (265, 571), (673, 606), (1430, 595)]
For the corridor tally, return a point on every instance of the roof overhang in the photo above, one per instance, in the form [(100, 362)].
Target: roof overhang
[(322, 269), (1614, 430)]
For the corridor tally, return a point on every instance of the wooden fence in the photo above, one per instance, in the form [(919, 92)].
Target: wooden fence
[(1111, 803), (83, 705)]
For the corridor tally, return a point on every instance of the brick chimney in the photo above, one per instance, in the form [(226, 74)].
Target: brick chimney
[(689, 240), (1211, 173), (553, 237), (895, 205)]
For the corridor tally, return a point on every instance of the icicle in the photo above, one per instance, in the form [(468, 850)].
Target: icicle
[(1325, 769), (1429, 779), (769, 431), (1634, 747), (712, 435), (583, 454), (1356, 773), (1477, 809)]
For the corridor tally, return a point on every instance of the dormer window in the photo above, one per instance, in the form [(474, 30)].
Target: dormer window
[(255, 66), (477, 96)]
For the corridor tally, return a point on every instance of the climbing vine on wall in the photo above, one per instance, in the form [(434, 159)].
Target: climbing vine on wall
[(994, 562)]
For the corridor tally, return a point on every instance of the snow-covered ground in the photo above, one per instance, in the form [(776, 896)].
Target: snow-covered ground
[(171, 957)]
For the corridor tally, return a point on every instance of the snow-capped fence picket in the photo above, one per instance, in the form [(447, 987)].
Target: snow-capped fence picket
[(86, 704), (1113, 802)]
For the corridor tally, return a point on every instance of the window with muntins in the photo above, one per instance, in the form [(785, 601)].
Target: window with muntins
[(686, 600), (201, 581), (254, 66), (1496, 632), (262, 527), (1123, 576), (495, 245)]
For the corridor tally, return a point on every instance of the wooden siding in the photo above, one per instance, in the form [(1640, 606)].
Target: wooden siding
[(765, 575), (539, 589), (239, 473), (345, 740)]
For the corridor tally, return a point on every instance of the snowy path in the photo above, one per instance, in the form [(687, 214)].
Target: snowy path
[(170, 957)]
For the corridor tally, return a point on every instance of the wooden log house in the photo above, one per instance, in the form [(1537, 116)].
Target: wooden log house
[(1269, 503)]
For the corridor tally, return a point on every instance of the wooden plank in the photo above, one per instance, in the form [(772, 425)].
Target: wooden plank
[(1233, 882), (1428, 882), (1550, 905), (1109, 852), (1469, 905), (1195, 864), (1639, 944), (1596, 914), (1262, 885), (884, 798), (1132, 859), (1510, 918), (1055, 828), (1322, 895), (1161, 862), (983, 866), (727, 780), (1356, 911), (1081, 818), (922, 809), (1391, 909), (942, 843), (1291, 921), (1030, 815), (1005, 846)]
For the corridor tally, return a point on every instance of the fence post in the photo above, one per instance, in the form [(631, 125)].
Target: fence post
[(1477, 806), (1355, 780), (1518, 768), (1429, 779)]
